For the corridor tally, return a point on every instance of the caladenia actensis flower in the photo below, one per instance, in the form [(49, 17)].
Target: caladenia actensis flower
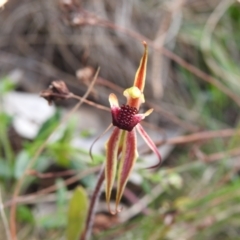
[(121, 148)]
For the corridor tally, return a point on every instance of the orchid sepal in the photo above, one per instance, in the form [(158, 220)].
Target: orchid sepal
[(112, 150), (150, 143), (134, 94), (126, 163), (140, 76)]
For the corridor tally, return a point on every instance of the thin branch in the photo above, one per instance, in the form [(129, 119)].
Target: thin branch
[(32, 197), (221, 155), (93, 104), (195, 137), (201, 136), (51, 174), (141, 204)]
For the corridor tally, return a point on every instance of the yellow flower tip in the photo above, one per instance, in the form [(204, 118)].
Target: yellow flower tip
[(140, 75), (113, 100), (148, 112), (144, 44), (110, 211), (119, 209), (133, 92)]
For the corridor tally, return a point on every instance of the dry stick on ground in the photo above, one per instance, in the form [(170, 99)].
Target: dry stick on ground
[(200, 136), (220, 155), (32, 197), (32, 161), (90, 103), (229, 154), (89, 18), (186, 125), (141, 204), (51, 174), (196, 137)]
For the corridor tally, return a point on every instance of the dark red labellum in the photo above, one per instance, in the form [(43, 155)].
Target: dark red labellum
[(124, 117)]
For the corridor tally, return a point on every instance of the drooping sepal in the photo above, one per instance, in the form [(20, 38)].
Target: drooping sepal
[(112, 152), (127, 161), (150, 143)]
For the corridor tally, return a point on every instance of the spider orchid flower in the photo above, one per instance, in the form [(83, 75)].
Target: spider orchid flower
[(121, 148)]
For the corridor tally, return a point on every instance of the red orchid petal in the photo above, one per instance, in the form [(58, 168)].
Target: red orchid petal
[(137, 118), (115, 109), (141, 72), (128, 158), (112, 152), (150, 143)]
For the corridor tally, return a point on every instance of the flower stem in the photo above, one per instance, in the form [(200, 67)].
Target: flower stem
[(93, 204)]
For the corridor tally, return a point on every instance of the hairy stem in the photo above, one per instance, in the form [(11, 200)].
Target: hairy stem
[(93, 204)]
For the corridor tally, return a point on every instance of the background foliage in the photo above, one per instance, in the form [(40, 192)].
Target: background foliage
[(195, 194)]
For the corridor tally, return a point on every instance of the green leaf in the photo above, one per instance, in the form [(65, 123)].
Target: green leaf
[(69, 130), (5, 120), (24, 214), (21, 164), (54, 220), (48, 126), (61, 152), (5, 145), (86, 133), (5, 169), (6, 85), (77, 213)]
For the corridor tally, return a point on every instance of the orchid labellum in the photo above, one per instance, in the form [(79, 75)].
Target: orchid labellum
[(121, 148)]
